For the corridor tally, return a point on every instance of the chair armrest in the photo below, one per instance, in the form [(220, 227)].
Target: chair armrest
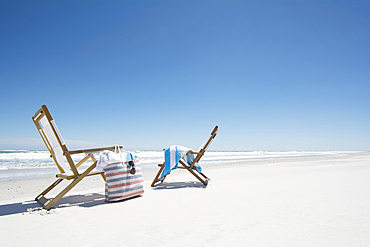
[(92, 150)]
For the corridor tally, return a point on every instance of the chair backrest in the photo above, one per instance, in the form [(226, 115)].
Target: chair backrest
[(206, 144), (52, 138)]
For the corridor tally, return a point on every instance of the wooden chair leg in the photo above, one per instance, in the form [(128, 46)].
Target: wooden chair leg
[(204, 176), (158, 174), (163, 179), (205, 182), (49, 203), (52, 186), (103, 176)]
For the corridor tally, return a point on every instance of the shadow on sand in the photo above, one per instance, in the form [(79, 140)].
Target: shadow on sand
[(178, 185), (32, 207)]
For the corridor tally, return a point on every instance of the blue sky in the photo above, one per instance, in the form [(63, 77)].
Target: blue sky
[(273, 75)]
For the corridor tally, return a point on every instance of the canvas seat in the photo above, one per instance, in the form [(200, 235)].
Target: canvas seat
[(192, 167), (62, 157)]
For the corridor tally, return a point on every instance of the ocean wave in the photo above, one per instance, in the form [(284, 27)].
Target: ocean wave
[(27, 160)]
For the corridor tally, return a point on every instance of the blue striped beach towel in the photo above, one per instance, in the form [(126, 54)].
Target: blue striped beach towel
[(120, 183), (172, 156)]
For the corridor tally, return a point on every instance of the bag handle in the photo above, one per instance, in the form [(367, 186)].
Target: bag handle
[(118, 150)]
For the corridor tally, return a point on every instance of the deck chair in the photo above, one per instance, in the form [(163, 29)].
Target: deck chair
[(191, 168), (62, 157)]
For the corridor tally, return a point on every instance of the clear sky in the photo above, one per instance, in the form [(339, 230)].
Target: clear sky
[(273, 75)]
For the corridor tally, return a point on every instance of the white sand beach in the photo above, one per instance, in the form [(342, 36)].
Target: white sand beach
[(321, 201)]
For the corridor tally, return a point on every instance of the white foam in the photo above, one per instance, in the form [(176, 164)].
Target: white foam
[(26, 161)]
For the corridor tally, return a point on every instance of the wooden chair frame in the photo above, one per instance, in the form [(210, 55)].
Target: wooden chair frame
[(75, 176), (192, 169)]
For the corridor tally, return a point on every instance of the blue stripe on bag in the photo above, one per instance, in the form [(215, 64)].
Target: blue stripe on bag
[(125, 189), (124, 178), (120, 184)]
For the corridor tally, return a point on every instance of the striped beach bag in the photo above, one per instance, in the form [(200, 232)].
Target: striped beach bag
[(124, 180)]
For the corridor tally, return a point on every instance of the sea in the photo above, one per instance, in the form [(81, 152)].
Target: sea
[(26, 164)]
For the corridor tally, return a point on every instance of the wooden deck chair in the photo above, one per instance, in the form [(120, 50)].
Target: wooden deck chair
[(62, 157), (191, 168)]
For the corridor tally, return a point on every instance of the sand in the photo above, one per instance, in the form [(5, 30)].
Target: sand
[(292, 202)]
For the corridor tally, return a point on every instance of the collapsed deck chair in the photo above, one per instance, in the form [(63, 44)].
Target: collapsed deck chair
[(62, 157), (191, 168)]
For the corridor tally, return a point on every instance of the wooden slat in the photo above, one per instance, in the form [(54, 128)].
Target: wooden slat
[(82, 161), (158, 174), (68, 177), (38, 115), (92, 150), (188, 167), (71, 163)]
